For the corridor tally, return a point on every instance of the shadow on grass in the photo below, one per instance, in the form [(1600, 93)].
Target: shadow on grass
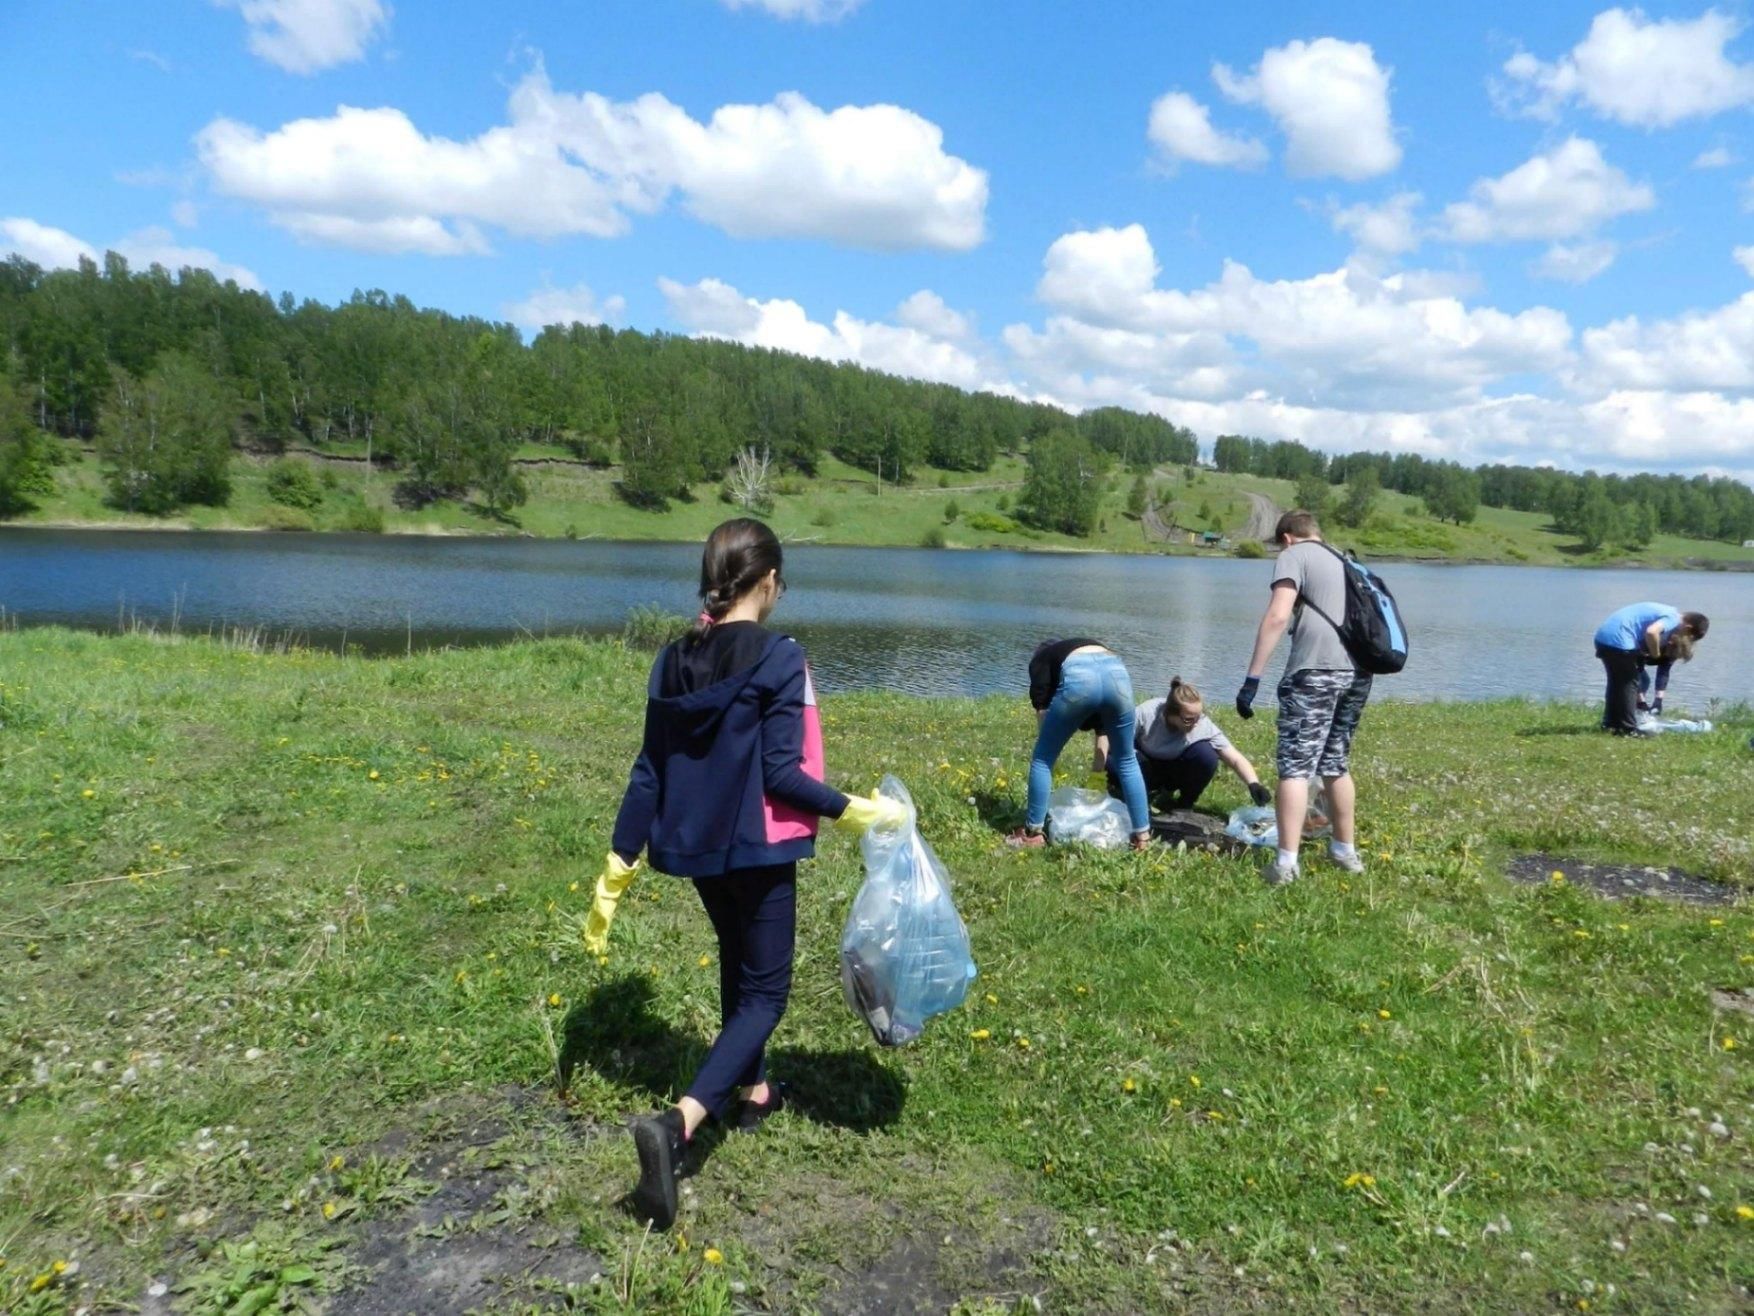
[(615, 1032), (1560, 729)]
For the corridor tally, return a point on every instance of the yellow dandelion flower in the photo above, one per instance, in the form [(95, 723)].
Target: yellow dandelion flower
[(328, 1210), (705, 960), (1193, 1080), (372, 775), (1175, 1103), (554, 998), (1716, 922), (713, 1257), (88, 793), (1082, 990), (1745, 1212), (41, 1282), (981, 1034), (1581, 935), (1127, 1085), (1023, 1044), (60, 1267), (1556, 876), (573, 886), (991, 999), (1729, 1044), (1384, 1014), (336, 1162)]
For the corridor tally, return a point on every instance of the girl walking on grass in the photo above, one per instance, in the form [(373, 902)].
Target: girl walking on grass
[(726, 791)]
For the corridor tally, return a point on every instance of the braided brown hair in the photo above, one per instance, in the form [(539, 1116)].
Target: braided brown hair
[(738, 555)]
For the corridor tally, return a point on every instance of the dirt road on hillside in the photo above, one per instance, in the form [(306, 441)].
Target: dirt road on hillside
[(1263, 516)]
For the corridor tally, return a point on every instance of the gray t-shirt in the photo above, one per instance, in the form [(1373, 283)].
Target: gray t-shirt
[(1156, 739), (1319, 577)]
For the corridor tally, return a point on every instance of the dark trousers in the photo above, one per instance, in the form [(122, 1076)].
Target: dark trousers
[(1620, 709), (1176, 783), (754, 911)]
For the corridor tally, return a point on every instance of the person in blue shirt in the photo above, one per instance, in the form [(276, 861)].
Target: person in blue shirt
[(726, 791), (1637, 636)]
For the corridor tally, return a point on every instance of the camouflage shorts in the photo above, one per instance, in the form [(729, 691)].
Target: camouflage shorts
[(1318, 716)]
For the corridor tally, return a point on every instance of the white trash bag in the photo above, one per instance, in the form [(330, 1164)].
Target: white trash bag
[(1091, 817), (1258, 825), (1652, 726), (904, 955)]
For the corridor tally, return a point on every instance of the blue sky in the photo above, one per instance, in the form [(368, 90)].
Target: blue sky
[(1483, 231)]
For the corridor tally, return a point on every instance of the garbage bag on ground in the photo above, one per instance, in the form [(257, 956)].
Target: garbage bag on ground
[(1258, 825), (904, 955), (1090, 816), (1656, 725)]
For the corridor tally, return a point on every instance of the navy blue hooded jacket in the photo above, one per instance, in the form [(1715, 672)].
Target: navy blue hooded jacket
[(721, 782)]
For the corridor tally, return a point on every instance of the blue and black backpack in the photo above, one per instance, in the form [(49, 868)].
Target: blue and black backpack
[(1373, 632)]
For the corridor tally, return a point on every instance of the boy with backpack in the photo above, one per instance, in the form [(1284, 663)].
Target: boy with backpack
[(1344, 626)]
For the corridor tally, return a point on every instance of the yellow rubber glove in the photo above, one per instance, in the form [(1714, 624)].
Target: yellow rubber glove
[(611, 882), (864, 811)]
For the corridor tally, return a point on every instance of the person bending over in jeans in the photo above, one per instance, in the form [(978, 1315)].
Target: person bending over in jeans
[(1079, 685), (1179, 749), (1637, 636), (1321, 695)]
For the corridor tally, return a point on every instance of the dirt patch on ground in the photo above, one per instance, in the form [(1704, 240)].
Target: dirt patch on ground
[(1622, 881)]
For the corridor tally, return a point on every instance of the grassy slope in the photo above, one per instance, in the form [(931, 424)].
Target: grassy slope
[(361, 882), (841, 506)]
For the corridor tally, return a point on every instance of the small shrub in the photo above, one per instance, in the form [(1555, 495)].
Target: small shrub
[(824, 518), (934, 538), (331, 480), (789, 488), (1004, 502), (993, 524), (944, 479), (277, 517), (651, 627), (292, 483), (571, 531), (362, 519), (1249, 548), (952, 510)]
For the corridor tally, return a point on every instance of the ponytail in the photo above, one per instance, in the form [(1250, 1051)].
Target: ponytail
[(738, 555)]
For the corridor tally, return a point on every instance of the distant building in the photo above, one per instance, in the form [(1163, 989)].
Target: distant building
[(1748, 543)]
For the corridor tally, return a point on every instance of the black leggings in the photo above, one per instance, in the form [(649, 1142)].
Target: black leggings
[(1620, 708), (1177, 782), (754, 913)]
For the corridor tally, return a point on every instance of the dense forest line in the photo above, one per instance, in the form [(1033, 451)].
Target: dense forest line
[(1620, 510), (169, 374)]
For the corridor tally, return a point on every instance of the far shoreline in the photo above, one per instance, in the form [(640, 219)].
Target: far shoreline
[(1703, 565)]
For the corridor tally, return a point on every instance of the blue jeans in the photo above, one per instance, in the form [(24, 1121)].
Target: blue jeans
[(1091, 685)]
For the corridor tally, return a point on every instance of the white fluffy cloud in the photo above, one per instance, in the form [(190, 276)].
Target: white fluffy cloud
[(564, 306), (1389, 229), (871, 176), (1562, 193), (811, 11), (304, 36), (52, 248), (1343, 333), (55, 248), (1649, 74), (1349, 359), (1181, 129), (1745, 258), (1575, 262), (1331, 100), (1695, 352), (715, 309), (1718, 157)]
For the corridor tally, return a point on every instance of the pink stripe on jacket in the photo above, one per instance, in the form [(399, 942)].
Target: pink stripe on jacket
[(784, 822)]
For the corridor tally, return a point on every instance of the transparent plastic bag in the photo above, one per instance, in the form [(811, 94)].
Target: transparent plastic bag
[(904, 955), (1090, 816), (1258, 825), (1655, 725)]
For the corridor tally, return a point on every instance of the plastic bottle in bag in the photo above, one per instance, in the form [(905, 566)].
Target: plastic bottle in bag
[(904, 955), (1090, 816)]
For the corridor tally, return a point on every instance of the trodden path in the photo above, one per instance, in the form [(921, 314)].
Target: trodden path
[(1263, 516)]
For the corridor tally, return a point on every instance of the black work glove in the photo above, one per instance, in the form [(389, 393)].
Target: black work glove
[(1245, 697), (1656, 706), (1259, 793)]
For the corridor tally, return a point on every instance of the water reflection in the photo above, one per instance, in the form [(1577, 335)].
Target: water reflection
[(933, 623)]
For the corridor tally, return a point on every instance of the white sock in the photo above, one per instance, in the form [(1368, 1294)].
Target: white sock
[(1342, 850), (1288, 859)]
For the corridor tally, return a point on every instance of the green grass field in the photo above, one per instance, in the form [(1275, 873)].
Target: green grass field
[(291, 948), (842, 505)]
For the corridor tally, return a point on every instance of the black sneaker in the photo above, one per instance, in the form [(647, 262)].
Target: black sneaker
[(750, 1114), (661, 1143)]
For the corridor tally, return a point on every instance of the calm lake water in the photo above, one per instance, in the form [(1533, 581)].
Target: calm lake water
[(911, 620)]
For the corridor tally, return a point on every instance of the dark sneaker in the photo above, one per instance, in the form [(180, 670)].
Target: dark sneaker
[(661, 1143), (1026, 839), (750, 1114)]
